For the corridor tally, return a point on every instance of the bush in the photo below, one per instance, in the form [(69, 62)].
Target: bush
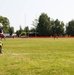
[(23, 33)]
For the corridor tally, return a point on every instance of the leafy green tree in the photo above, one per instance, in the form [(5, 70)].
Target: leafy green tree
[(32, 30), (52, 27), (23, 33), (20, 30), (26, 29), (70, 28), (6, 24), (35, 24), (61, 29), (18, 33), (43, 26), (11, 30), (57, 27)]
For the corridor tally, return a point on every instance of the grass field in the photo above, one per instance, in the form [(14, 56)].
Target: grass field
[(37, 56)]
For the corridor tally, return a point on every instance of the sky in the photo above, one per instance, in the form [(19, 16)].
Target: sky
[(24, 12)]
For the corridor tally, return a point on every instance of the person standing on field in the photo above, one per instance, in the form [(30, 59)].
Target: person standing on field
[(55, 36)]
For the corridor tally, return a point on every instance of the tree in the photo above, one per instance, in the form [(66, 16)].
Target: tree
[(26, 29), (43, 26), (32, 30), (18, 33), (20, 30), (52, 27), (35, 24), (70, 28), (11, 30), (61, 28), (23, 33), (57, 27), (6, 24)]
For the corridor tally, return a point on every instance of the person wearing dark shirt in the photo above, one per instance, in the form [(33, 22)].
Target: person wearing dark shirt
[(0, 30)]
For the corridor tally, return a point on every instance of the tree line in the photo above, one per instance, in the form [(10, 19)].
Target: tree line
[(43, 26)]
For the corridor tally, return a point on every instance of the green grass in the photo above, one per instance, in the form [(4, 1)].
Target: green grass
[(37, 56)]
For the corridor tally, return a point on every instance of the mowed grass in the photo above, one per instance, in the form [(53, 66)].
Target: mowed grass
[(37, 56)]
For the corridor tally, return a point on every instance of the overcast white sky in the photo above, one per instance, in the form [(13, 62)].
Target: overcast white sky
[(23, 12)]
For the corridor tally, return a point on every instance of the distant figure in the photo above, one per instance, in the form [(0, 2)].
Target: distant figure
[(3, 36), (55, 36), (13, 36)]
